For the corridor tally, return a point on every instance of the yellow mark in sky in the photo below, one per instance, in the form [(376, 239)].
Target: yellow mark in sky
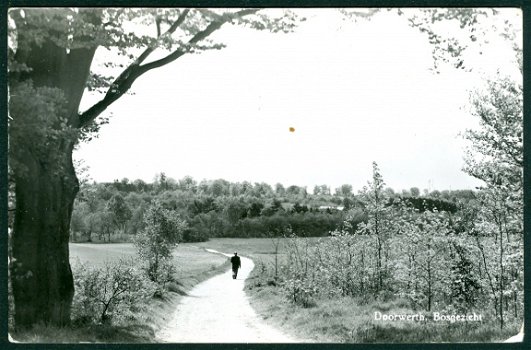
[(291, 129)]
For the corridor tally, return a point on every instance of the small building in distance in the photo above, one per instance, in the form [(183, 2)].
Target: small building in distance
[(330, 207)]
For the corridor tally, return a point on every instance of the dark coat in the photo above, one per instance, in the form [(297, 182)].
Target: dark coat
[(236, 262)]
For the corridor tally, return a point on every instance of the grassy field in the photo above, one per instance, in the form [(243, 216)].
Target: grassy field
[(261, 250), (251, 247), (189, 259), (193, 264), (97, 254)]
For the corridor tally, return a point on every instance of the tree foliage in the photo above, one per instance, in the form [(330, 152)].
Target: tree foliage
[(131, 36), (120, 211), (496, 157), (459, 260), (378, 224), (107, 293), (155, 243), (455, 33)]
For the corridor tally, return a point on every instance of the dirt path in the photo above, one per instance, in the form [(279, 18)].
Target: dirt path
[(218, 311)]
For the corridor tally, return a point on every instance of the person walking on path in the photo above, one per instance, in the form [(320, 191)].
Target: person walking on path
[(236, 264)]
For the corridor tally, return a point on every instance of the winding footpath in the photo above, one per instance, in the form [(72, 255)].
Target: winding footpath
[(218, 311)]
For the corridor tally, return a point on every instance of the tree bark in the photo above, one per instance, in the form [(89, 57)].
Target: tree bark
[(42, 280)]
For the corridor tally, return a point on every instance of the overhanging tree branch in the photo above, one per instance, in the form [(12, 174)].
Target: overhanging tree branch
[(170, 31), (212, 27), (126, 79), (179, 52)]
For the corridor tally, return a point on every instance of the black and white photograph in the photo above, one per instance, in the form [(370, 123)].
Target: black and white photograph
[(218, 175)]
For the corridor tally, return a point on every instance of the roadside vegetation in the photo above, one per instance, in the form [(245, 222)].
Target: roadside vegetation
[(141, 307), (347, 318)]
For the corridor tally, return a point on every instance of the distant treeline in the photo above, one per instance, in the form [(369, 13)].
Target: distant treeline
[(219, 208)]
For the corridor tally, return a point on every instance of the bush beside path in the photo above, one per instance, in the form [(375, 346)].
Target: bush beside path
[(193, 264)]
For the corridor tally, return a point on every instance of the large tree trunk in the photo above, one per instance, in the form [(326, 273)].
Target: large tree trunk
[(45, 180), (42, 280)]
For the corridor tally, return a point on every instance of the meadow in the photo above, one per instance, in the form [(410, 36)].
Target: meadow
[(190, 260), (258, 249)]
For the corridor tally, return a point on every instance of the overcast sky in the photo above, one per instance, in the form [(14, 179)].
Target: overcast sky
[(354, 92)]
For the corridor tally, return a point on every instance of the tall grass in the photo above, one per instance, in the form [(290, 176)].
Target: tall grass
[(351, 320)]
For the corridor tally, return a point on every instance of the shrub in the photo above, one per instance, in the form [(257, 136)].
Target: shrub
[(300, 291), (117, 289), (164, 275), (464, 287), (192, 234), (155, 243)]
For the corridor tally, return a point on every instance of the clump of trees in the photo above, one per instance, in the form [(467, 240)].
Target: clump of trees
[(116, 211), (496, 157), (400, 252), (210, 208), (460, 256)]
